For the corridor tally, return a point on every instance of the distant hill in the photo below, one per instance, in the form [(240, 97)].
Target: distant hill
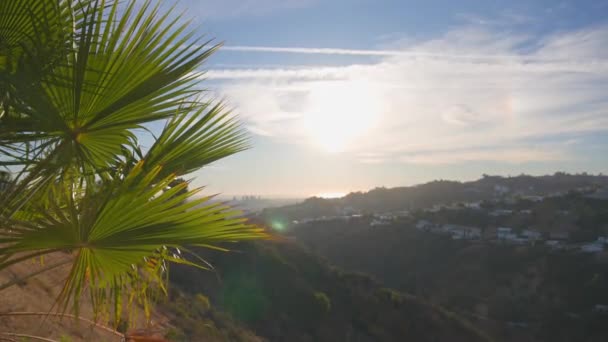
[(436, 192)]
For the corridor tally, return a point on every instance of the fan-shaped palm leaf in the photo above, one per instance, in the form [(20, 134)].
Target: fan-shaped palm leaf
[(85, 186)]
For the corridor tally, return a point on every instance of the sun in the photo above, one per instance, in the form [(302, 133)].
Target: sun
[(340, 112)]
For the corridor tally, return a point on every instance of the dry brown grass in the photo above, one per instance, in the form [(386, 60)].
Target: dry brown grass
[(36, 296)]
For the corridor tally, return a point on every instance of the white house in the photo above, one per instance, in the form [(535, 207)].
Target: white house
[(503, 233), (533, 198), (473, 205), (385, 217), (501, 212), (434, 209), (554, 244), (376, 223), (593, 247), (462, 232)]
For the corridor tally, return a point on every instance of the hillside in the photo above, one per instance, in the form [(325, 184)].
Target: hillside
[(435, 193), (36, 296), (283, 293), (512, 292), (272, 291)]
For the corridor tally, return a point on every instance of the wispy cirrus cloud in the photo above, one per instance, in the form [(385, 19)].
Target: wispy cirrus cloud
[(428, 52), (444, 100)]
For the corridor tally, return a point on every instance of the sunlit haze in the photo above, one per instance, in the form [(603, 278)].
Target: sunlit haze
[(339, 113), (331, 195), (403, 92)]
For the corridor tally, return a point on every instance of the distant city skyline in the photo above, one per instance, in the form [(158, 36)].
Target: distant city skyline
[(342, 96)]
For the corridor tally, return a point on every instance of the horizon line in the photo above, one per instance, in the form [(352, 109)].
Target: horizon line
[(302, 196)]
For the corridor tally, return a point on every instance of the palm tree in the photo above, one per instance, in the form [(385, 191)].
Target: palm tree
[(80, 84)]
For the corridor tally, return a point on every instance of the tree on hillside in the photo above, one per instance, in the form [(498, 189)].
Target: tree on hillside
[(80, 83)]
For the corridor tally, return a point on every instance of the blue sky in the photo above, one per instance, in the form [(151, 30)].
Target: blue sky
[(341, 96)]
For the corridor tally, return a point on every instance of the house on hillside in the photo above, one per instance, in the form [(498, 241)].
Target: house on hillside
[(596, 246), (599, 194), (554, 244), (434, 209), (382, 220), (504, 233), (593, 247), (531, 234), (501, 189), (459, 232), (385, 217), (348, 211), (377, 223), (473, 205), (508, 235), (424, 225), (533, 198), (472, 233), (501, 212)]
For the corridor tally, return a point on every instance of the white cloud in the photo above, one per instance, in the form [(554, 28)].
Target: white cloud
[(482, 41), (310, 51), (445, 100), (461, 115), (508, 155)]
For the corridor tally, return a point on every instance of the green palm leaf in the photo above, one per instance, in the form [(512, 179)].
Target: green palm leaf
[(113, 229), (68, 130), (193, 139)]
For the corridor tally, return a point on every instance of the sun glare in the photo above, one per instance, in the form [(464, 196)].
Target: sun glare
[(339, 113), (329, 195)]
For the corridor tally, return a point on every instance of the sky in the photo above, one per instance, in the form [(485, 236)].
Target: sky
[(342, 96)]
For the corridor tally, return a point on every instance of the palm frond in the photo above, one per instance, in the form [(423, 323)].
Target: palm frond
[(193, 139), (77, 80), (115, 228)]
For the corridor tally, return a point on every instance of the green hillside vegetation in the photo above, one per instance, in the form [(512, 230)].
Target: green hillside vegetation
[(283, 293), (514, 293)]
